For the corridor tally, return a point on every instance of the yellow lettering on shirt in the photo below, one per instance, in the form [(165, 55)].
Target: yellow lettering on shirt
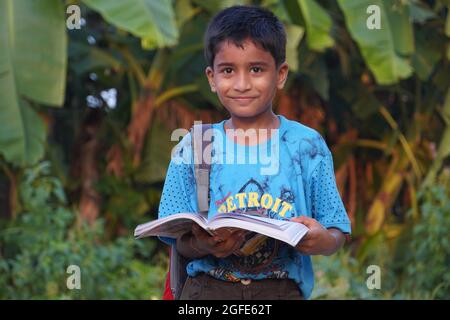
[(266, 201), (230, 205), (250, 199), (253, 199), (241, 197), (276, 205), (286, 206)]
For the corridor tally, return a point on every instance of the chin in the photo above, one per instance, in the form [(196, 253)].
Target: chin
[(244, 112)]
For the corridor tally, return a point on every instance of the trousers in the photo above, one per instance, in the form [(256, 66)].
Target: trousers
[(205, 287)]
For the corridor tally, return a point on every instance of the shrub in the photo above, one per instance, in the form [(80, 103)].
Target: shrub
[(47, 237)]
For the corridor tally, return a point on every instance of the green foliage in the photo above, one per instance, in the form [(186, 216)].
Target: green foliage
[(46, 238), (151, 20), (423, 257), (29, 70), (318, 25), (381, 51), (337, 65), (414, 267)]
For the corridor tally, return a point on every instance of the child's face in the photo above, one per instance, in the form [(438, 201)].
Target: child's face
[(245, 79)]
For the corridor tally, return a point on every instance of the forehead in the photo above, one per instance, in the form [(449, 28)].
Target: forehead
[(248, 52)]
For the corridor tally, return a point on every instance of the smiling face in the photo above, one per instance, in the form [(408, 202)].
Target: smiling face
[(245, 78)]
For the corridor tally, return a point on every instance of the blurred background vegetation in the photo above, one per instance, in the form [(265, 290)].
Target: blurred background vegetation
[(86, 115)]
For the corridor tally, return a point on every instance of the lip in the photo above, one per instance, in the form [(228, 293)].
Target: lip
[(243, 98)]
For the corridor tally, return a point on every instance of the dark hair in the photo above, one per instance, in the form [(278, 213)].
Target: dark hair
[(239, 23)]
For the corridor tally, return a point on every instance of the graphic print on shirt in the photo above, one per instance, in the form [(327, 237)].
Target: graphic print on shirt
[(258, 251)]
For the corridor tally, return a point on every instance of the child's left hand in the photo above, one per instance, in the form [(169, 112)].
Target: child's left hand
[(318, 240)]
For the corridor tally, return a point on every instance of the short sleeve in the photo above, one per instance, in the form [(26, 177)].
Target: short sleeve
[(326, 203), (179, 194)]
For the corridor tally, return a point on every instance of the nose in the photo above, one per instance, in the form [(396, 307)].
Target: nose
[(242, 82)]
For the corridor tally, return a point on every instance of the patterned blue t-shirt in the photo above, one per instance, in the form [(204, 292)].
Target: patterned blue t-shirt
[(289, 175)]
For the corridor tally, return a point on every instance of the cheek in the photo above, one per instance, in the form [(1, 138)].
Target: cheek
[(266, 86), (223, 85)]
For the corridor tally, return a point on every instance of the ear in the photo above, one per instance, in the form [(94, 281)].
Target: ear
[(210, 75), (282, 75)]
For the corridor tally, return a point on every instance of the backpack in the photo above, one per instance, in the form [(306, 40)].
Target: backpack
[(177, 275)]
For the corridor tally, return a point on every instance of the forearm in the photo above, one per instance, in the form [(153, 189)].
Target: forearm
[(187, 246), (338, 240)]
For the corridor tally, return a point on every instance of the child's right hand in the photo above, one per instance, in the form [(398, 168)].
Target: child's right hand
[(219, 247)]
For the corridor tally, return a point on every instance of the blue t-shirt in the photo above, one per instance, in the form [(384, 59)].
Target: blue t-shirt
[(289, 175)]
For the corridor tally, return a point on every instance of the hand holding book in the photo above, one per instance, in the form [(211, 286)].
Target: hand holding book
[(222, 225), (224, 243), (319, 240)]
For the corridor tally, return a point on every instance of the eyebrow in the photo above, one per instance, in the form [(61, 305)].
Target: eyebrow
[(253, 63)]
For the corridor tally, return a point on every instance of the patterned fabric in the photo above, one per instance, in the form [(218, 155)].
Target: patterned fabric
[(289, 175)]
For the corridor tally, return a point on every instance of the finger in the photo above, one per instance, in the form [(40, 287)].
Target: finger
[(307, 221), (305, 251), (300, 219), (306, 243), (304, 248), (311, 233)]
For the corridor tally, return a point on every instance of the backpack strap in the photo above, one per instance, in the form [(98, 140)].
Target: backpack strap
[(202, 166)]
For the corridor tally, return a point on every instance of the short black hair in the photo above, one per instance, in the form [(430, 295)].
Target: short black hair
[(239, 23)]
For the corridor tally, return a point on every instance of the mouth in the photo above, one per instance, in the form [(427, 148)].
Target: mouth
[(243, 100)]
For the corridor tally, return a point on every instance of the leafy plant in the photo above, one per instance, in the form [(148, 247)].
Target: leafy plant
[(412, 266), (38, 247)]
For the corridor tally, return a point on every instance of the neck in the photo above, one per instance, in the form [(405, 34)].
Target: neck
[(265, 120)]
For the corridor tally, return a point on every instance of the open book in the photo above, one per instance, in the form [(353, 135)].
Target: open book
[(175, 225)]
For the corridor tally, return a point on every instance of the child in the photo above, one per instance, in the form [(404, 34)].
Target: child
[(245, 52)]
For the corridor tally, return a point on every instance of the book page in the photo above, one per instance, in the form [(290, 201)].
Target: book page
[(172, 226), (286, 231)]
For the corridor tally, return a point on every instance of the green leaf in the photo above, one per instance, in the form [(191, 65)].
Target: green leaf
[(156, 154), (381, 48), (214, 6), (22, 132), (34, 48), (29, 69), (293, 10), (401, 28), (318, 25), (151, 20), (427, 54), (294, 35), (419, 12), (184, 11), (86, 58)]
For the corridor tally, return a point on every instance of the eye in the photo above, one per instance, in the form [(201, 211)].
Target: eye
[(227, 70), (256, 69)]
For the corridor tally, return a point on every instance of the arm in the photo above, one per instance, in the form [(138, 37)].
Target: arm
[(326, 208), (198, 243), (319, 240)]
